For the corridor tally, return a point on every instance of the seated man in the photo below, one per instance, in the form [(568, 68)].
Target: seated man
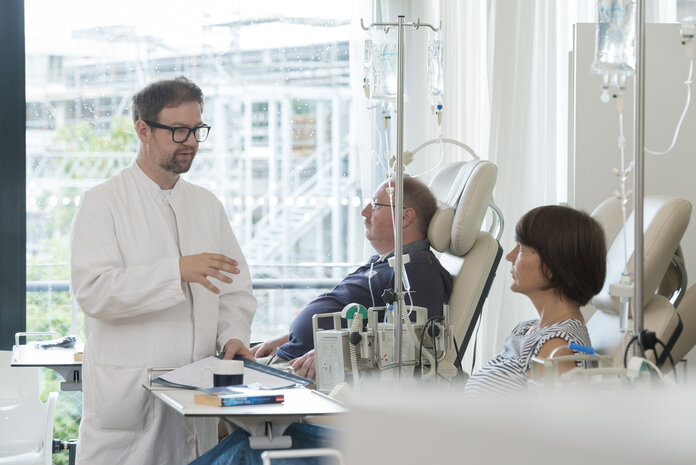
[(430, 283)]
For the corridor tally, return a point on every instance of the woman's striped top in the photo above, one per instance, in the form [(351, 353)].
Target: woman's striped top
[(507, 372)]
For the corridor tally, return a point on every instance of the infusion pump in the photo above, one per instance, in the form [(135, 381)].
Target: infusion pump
[(346, 354)]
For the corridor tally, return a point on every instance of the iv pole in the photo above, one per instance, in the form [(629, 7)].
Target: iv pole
[(639, 165), (399, 183)]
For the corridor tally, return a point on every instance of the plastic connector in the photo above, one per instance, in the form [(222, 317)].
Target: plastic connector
[(404, 260), (580, 348), (389, 296), (438, 112)]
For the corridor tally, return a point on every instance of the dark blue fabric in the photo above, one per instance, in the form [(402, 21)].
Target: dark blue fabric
[(430, 283), (234, 449)]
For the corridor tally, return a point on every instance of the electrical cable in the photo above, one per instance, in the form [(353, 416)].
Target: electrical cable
[(669, 356), (357, 325), (434, 339), (473, 358), (652, 365), (628, 346), (456, 358), (430, 321), (414, 340), (420, 349)]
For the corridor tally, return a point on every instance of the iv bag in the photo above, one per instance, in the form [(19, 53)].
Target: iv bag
[(384, 64), (616, 34), (367, 54), (686, 12), (435, 71)]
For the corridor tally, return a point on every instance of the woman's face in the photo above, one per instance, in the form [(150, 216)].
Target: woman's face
[(527, 276)]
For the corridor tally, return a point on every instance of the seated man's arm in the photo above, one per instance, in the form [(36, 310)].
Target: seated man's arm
[(269, 347)]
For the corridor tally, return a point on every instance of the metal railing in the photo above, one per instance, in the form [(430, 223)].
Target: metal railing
[(256, 284)]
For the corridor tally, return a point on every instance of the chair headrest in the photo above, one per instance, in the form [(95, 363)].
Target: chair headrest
[(440, 227), (664, 222), (463, 191), (609, 215)]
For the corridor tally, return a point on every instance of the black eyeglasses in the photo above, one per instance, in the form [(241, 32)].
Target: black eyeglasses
[(181, 134), (374, 204)]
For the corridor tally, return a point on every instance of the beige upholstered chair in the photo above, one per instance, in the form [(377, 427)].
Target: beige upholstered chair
[(464, 192), (665, 221)]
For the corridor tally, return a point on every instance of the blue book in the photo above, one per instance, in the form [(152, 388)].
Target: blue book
[(229, 400)]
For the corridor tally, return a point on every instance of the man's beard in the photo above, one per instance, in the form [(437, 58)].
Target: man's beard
[(177, 167)]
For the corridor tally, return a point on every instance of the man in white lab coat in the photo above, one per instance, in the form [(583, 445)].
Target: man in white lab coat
[(162, 282)]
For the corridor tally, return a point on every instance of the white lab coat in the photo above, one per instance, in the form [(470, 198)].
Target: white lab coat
[(124, 272)]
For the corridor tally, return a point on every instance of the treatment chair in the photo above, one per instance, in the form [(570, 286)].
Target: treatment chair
[(26, 423), (464, 193), (668, 309)]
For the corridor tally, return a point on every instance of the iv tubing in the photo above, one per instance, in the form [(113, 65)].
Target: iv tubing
[(681, 120), (442, 155), (440, 140), (622, 178), (369, 284)]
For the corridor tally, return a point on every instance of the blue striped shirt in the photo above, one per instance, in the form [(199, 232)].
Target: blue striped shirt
[(507, 372)]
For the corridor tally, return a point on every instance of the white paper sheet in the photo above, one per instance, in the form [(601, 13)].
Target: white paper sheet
[(189, 376)]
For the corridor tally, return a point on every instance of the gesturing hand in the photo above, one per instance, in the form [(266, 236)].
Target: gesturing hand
[(198, 268)]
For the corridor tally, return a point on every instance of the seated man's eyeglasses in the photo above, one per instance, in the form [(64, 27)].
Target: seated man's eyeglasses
[(374, 204), (181, 134)]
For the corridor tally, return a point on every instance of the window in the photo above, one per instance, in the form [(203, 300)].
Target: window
[(276, 83)]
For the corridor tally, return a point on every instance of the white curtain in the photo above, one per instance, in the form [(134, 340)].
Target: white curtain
[(511, 100), (523, 57)]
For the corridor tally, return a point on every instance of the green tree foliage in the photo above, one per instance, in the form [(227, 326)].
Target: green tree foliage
[(83, 137)]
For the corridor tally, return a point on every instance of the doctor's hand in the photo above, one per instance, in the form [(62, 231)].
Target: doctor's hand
[(304, 366), (235, 347), (269, 347), (198, 268)]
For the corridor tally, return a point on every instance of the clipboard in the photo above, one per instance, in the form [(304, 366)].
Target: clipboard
[(255, 374), (268, 369)]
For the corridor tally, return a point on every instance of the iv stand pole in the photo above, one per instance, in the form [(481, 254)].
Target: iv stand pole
[(639, 165), (398, 186)]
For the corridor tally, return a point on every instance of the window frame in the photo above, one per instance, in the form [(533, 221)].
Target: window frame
[(13, 173)]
